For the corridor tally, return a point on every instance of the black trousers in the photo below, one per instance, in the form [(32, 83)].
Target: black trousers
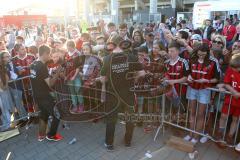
[(111, 120), (46, 108)]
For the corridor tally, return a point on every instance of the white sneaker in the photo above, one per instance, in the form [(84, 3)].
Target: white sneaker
[(194, 141), (187, 138), (204, 139), (193, 155), (122, 122), (237, 147)]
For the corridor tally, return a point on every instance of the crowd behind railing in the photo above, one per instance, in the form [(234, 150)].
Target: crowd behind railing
[(171, 53)]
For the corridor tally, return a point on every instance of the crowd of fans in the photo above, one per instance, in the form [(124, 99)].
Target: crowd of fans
[(203, 57)]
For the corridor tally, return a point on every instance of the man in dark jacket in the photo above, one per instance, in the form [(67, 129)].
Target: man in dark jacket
[(208, 29), (115, 70)]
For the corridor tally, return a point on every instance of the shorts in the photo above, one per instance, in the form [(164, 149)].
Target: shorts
[(45, 107), (233, 110), (202, 95)]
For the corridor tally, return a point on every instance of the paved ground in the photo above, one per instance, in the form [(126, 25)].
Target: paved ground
[(89, 146)]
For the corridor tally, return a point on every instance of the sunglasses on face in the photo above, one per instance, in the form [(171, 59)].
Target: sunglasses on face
[(217, 42)]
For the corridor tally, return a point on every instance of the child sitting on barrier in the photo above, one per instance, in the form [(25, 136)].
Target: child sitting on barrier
[(231, 102)]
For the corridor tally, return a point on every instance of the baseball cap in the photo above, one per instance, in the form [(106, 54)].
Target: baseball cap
[(196, 37)]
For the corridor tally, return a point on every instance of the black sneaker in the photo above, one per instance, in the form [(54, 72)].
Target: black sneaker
[(109, 147)]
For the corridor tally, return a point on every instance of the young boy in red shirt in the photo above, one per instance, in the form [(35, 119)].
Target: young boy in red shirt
[(177, 67), (231, 104), (22, 61)]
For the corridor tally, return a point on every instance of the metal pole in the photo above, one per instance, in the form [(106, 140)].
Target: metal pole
[(153, 7), (115, 10), (174, 6), (66, 17), (162, 117), (86, 10), (136, 5)]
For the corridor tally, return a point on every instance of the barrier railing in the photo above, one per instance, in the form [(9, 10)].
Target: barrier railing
[(147, 109), (179, 117), (93, 99), (17, 103)]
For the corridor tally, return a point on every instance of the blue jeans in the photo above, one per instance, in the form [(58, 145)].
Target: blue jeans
[(6, 115), (17, 101), (75, 91)]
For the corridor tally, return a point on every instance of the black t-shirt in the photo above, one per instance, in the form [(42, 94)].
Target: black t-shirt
[(39, 73), (117, 67)]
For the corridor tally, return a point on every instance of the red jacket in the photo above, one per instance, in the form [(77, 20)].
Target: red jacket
[(229, 32)]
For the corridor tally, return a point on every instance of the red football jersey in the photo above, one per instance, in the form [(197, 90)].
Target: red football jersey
[(177, 70), (23, 63), (79, 44), (232, 78), (229, 31), (52, 68), (70, 64), (199, 71), (185, 54)]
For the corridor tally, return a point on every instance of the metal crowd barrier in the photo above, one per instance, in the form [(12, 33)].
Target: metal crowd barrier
[(20, 96), (20, 103), (94, 103), (147, 109), (178, 116)]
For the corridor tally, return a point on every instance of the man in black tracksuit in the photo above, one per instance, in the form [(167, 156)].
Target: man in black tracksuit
[(115, 70)]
